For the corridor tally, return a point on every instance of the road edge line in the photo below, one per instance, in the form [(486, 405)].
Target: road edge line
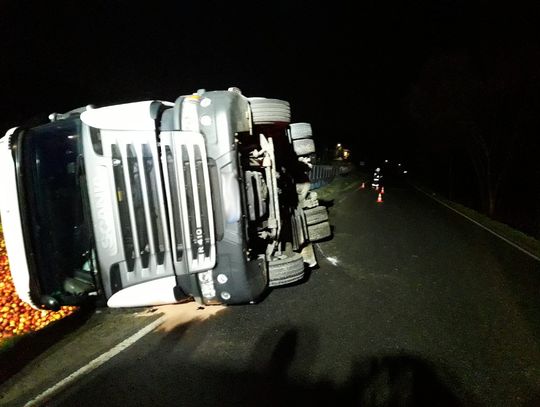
[(94, 364), (525, 251)]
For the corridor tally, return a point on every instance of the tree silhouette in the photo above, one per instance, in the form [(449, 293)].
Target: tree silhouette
[(480, 104)]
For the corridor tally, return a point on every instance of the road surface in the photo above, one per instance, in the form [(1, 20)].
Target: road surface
[(411, 304)]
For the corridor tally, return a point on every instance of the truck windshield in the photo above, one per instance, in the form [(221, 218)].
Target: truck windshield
[(61, 241)]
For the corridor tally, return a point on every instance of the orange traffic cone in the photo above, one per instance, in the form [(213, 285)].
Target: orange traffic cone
[(363, 185), (382, 190), (379, 198)]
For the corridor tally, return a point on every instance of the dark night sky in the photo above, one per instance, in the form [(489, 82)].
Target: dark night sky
[(348, 68)]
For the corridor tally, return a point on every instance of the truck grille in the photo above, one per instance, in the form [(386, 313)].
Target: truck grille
[(136, 171), (188, 194)]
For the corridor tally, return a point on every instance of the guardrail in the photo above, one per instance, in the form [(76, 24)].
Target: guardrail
[(321, 175)]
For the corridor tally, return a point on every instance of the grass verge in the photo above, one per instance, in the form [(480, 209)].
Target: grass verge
[(341, 184)]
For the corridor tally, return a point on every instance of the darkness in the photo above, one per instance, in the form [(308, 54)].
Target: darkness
[(449, 87)]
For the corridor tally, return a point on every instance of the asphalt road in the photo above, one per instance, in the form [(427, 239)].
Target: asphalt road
[(412, 305)]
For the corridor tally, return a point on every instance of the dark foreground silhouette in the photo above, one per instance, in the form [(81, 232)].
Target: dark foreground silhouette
[(389, 380)]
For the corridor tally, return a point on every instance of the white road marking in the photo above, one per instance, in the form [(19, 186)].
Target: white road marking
[(333, 260), (482, 226), (94, 364)]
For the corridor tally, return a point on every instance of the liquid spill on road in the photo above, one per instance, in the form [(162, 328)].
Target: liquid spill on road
[(180, 314)]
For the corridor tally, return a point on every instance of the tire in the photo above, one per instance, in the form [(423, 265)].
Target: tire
[(299, 229), (268, 119), (300, 130), (316, 215), (319, 231), (270, 110), (286, 271)]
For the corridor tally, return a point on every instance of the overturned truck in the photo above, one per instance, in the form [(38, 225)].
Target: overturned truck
[(155, 202)]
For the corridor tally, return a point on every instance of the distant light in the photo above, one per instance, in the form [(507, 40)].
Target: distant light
[(405, 172), (399, 165), (339, 144), (385, 161)]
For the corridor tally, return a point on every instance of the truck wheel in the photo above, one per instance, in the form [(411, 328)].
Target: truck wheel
[(286, 270), (319, 231), (304, 146), (270, 110), (300, 130), (299, 229), (316, 215)]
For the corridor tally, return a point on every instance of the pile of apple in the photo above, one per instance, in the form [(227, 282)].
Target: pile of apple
[(17, 317)]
